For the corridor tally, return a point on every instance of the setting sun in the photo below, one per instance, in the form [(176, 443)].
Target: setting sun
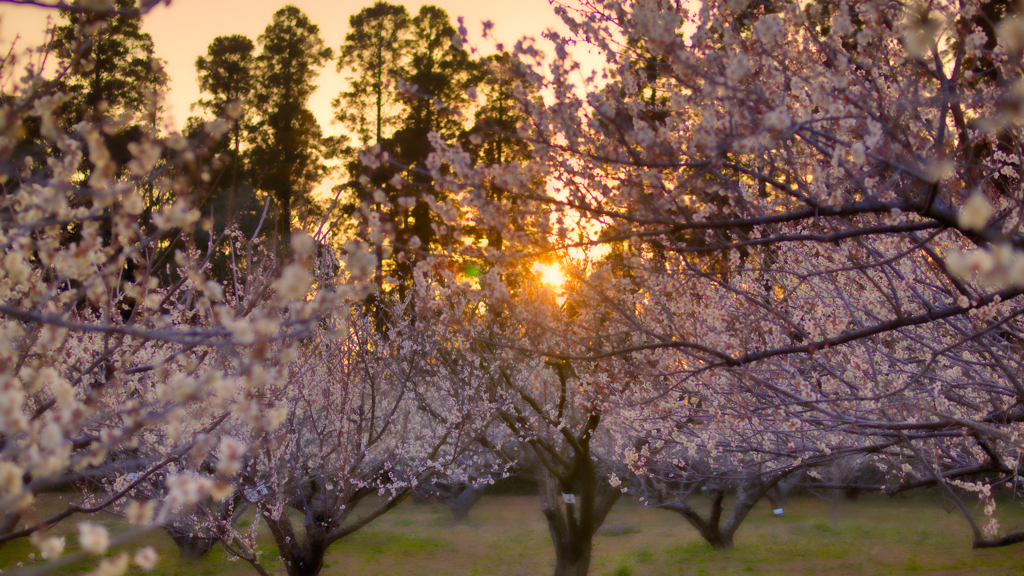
[(550, 274)]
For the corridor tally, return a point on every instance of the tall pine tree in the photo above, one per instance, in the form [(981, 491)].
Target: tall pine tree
[(226, 76), (115, 72), (375, 54), (288, 147), (420, 50)]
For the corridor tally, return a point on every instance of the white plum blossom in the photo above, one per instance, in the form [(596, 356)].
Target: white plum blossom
[(93, 538), (231, 453), (302, 243), (50, 547), (777, 119), (146, 558), (178, 215), (294, 282), (234, 109), (737, 68), (115, 566), (140, 513), (145, 154), (858, 153), (976, 213), (770, 30), (217, 128), (177, 142), (1010, 33)]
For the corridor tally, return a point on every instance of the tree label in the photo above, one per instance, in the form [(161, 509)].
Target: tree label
[(569, 498), (777, 511), (255, 494)]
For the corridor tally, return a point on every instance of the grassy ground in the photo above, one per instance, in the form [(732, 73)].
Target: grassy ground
[(507, 536)]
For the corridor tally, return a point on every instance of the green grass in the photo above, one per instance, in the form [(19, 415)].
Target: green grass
[(507, 536)]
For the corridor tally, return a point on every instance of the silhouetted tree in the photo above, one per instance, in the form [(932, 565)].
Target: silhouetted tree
[(288, 147), (114, 72), (375, 53), (226, 74)]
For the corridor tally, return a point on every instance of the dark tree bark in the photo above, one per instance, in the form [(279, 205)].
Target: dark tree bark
[(572, 525), (191, 547), (324, 524), (420, 496), (1008, 540), (717, 534), (301, 556), (195, 542), (459, 498), (780, 492)]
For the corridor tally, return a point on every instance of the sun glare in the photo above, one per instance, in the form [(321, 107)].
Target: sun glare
[(550, 274)]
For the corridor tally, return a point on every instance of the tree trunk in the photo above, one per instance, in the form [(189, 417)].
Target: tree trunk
[(835, 508), (711, 529), (301, 556), (191, 547), (459, 502), (718, 539), (573, 560), (284, 225), (421, 497), (9, 524), (572, 546), (717, 534), (234, 177), (573, 525), (779, 493)]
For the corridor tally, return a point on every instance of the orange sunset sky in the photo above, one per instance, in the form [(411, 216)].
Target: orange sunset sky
[(183, 30)]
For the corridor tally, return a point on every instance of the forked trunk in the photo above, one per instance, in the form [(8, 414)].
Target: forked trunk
[(573, 523), (306, 565), (10, 522), (717, 533), (192, 547), (460, 502), (421, 497), (717, 538), (301, 556), (778, 493), (835, 508)]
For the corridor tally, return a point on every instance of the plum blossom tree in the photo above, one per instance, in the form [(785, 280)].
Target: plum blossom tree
[(820, 205), (369, 417), (550, 412), (803, 217), (121, 361), (489, 457), (721, 437), (721, 458)]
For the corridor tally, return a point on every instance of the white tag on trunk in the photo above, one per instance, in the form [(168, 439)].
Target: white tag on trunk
[(777, 511), (569, 498)]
